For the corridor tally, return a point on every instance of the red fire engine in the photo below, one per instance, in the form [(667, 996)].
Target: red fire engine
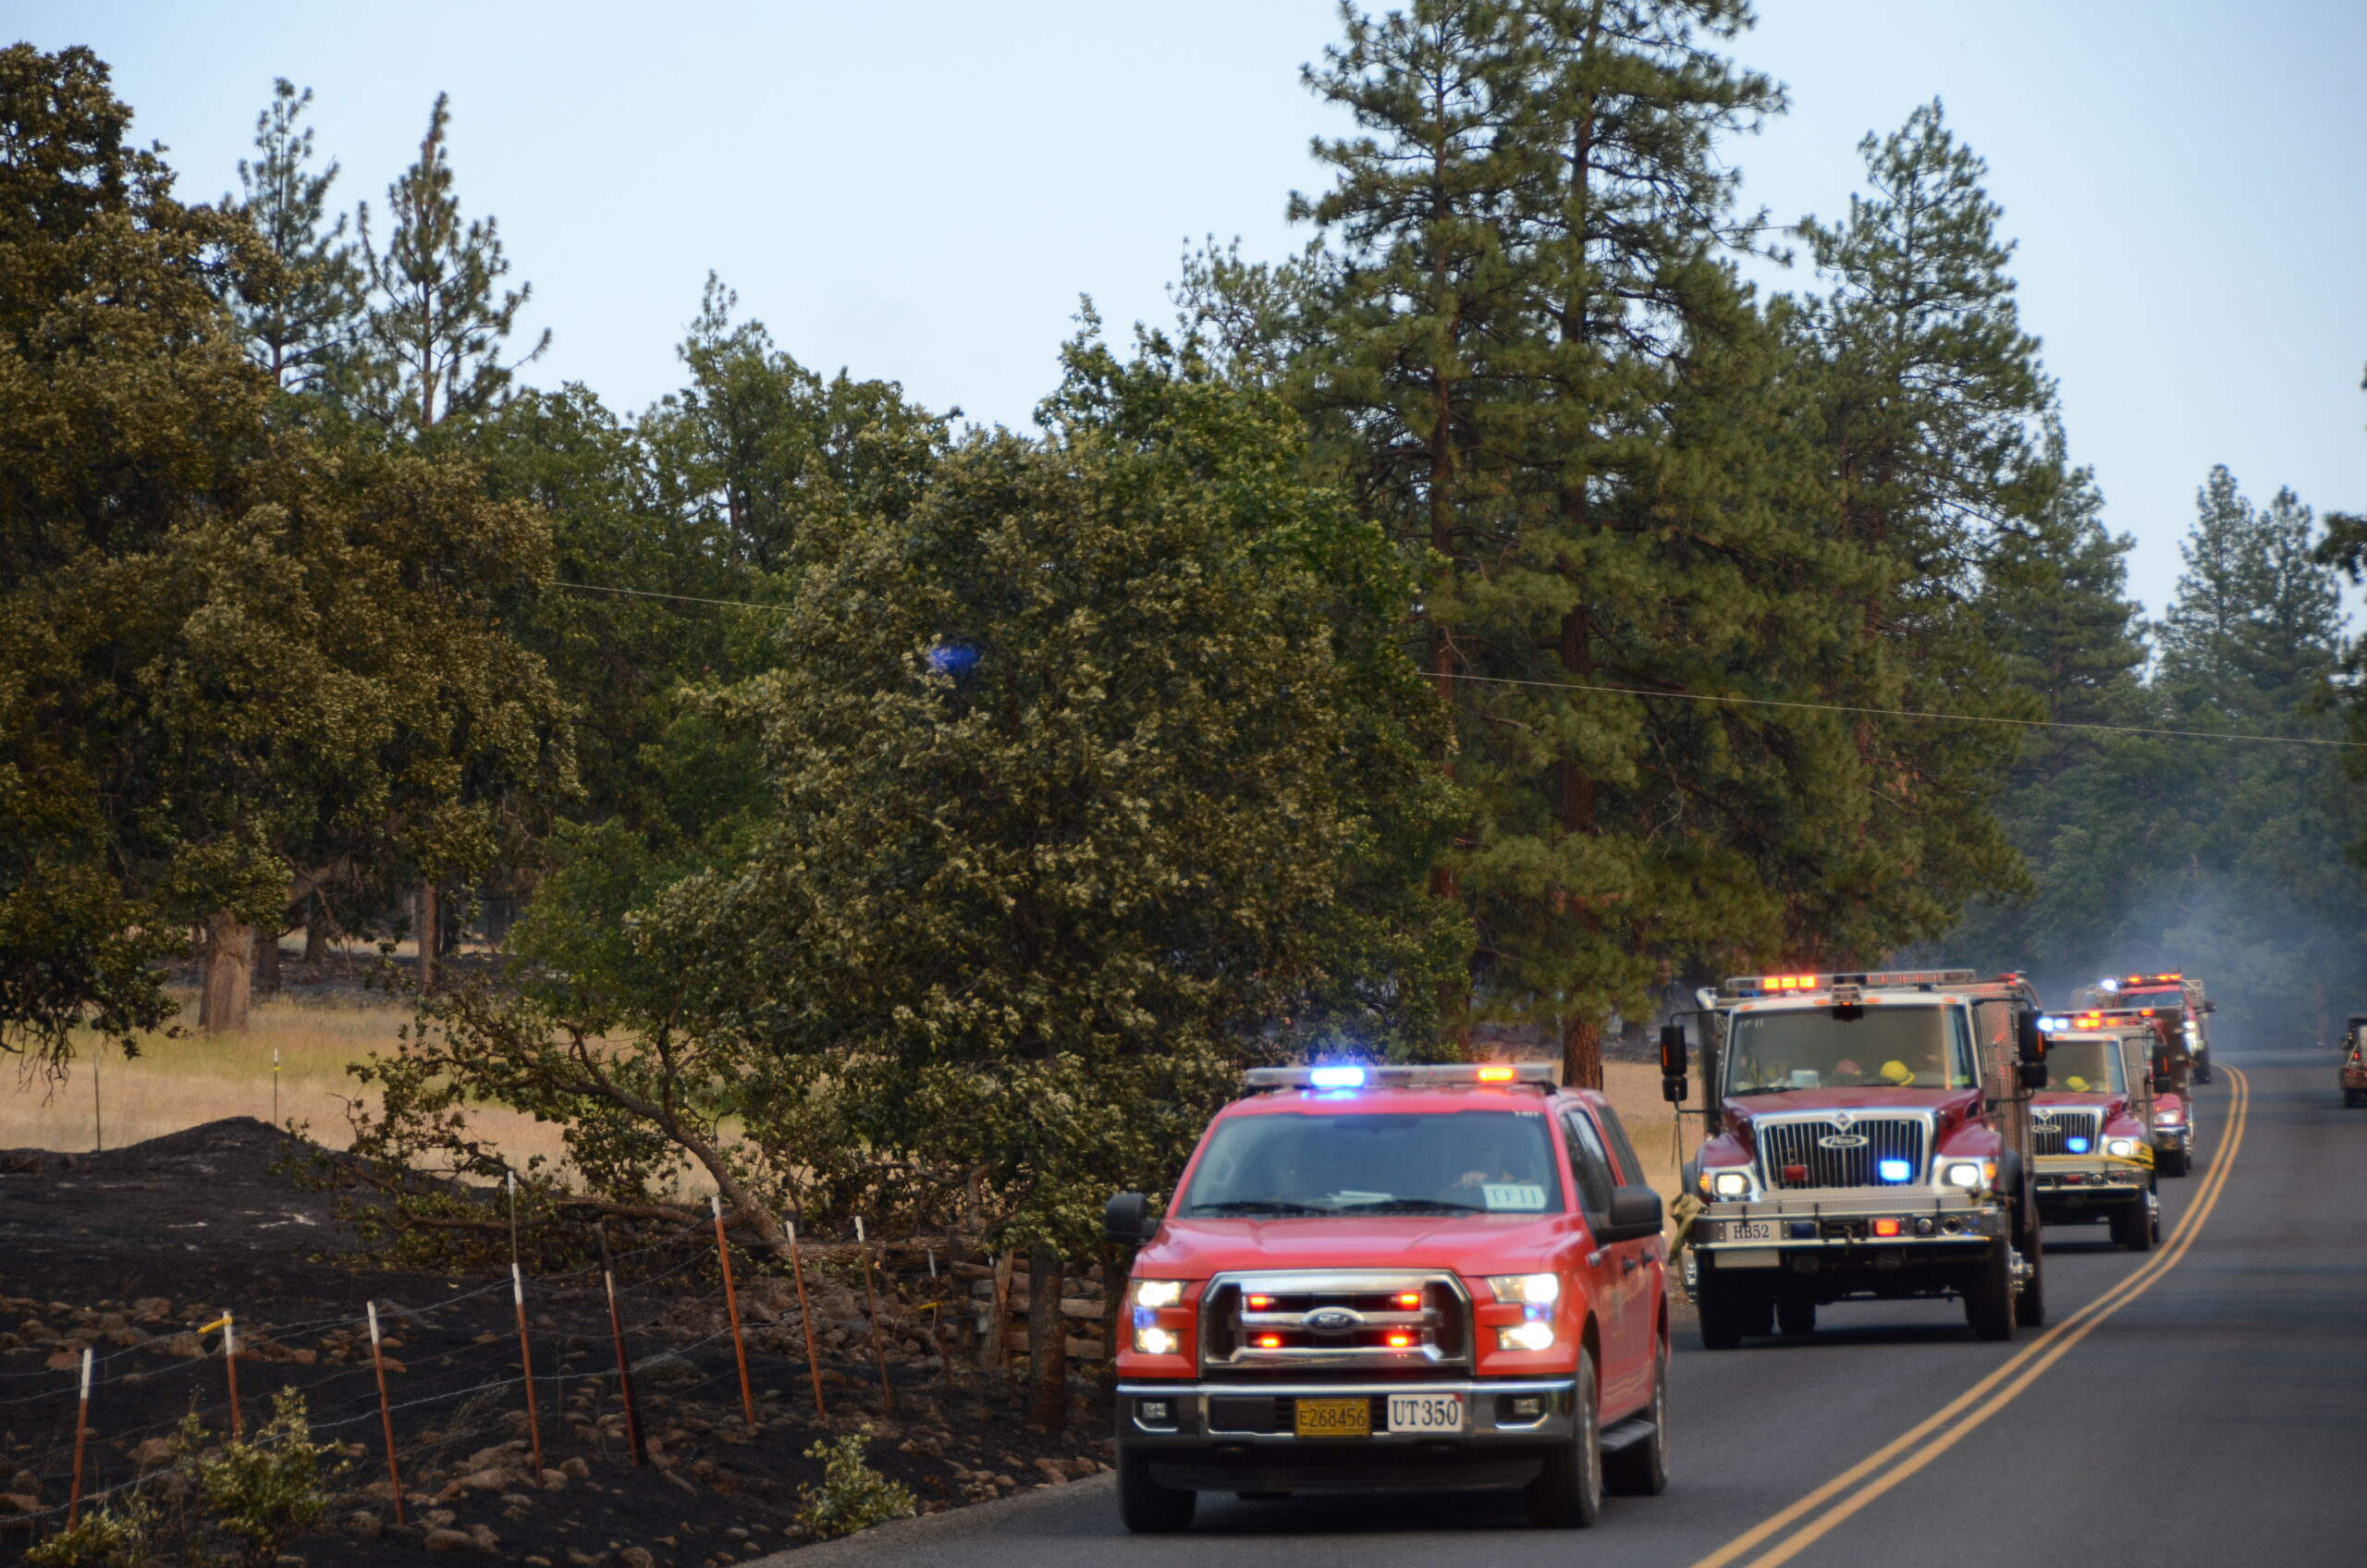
[(2175, 996), (1374, 1278), (1873, 1140), (2092, 1126)]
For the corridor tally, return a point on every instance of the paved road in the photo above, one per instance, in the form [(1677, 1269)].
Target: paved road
[(2206, 1405)]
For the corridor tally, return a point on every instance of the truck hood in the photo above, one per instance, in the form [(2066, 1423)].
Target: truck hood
[(1470, 1244)]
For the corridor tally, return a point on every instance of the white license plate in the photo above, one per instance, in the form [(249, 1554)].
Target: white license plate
[(1750, 1230), (1425, 1413)]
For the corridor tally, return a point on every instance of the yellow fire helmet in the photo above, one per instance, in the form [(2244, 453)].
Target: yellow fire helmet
[(2075, 1083), (1896, 1073)]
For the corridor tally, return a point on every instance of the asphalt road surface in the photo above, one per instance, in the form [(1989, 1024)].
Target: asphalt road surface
[(2204, 1403)]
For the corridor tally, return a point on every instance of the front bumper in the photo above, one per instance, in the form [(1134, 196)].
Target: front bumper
[(2072, 1184), (2173, 1140), (1238, 1436), (1882, 1235)]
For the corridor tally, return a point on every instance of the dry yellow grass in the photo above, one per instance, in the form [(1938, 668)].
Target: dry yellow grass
[(174, 1084), (1635, 1091)]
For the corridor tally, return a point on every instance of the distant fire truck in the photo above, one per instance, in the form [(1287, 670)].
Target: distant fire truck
[(1391, 1277), (2172, 992), (2354, 1060), (2092, 1126), (1873, 1140)]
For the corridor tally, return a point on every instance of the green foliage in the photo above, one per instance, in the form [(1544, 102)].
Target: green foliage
[(114, 1535), (852, 1496), (299, 303), (253, 1496)]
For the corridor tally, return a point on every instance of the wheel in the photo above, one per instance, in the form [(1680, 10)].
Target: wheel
[(2171, 1162), (2030, 1306), (1263, 1496), (1795, 1315), (2349, 1099), (1759, 1312), (1147, 1507), (2132, 1227), (1989, 1304), (2202, 1072), (1721, 1308), (1641, 1469), (1567, 1493)]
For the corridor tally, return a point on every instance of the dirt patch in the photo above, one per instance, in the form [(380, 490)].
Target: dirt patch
[(132, 1252)]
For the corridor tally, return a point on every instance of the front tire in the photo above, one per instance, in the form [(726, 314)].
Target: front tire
[(2132, 1226), (2171, 1162), (1796, 1316), (1147, 1507), (2030, 1306), (1989, 1304), (1641, 1469), (1567, 1493)]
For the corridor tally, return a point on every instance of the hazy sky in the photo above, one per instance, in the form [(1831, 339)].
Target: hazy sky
[(921, 192)]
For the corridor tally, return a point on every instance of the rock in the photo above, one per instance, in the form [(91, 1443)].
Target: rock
[(151, 1309), (554, 1481), (154, 1451), (575, 1469), (18, 1502), (65, 1361), (367, 1524), (487, 1540), (579, 1559), (500, 1454), (186, 1345), (636, 1557), (476, 1483), (667, 1367), (1053, 1471), (451, 1541), (516, 1500)]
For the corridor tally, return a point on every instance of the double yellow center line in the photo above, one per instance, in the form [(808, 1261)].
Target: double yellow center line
[(1809, 1520)]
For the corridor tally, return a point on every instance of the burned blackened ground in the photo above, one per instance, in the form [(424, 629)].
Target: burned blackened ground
[(132, 1252)]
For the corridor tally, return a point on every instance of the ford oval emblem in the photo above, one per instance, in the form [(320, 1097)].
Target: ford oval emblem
[(1841, 1141), (1333, 1319)]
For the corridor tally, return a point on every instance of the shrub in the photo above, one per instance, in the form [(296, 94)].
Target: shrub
[(852, 1496), (105, 1538), (262, 1493)]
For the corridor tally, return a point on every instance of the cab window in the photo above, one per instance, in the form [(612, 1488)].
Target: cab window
[(1960, 1039), (1589, 1161), (1631, 1169)]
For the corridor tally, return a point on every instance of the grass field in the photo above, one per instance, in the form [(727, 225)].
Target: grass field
[(184, 1081), (174, 1084)]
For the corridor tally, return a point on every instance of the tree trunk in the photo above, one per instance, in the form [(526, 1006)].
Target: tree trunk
[(266, 962), (1582, 1052), (431, 930), (316, 935), (221, 989), (1047, 1337)]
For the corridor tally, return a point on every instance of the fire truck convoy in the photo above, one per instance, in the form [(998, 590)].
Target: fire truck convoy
[(1873, 1139), (2174, 995), (1374, 1278), (2092, 1126)]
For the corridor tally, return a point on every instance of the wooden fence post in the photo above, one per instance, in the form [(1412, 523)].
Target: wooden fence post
[(805, 1315), (624, 1367), (731, 1306), (385, 1413), (81, 1425)]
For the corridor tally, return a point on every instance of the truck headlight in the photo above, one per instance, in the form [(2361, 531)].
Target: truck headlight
[(1144, 1298), (2120, 1149), (2166, 1118), (1535, 1290), (1526, 1336), (1967, 1174), (1157, 1292), (1730, 1183)]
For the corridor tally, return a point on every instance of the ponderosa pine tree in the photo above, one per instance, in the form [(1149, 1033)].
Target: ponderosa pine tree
[(299, 304), (1935, 424)]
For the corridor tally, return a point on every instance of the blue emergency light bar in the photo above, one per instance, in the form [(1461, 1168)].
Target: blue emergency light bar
[(1357, 1075)]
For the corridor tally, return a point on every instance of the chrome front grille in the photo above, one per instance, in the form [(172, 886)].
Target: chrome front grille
[(1359, 1321), (2051, 1131), (1827, 1151)]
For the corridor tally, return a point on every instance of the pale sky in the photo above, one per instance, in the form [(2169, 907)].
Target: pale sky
[(921, 192)]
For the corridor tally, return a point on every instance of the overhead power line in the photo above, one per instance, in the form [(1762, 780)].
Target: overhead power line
[(1712, 697)]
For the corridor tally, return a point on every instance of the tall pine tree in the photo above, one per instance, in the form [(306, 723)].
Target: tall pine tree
[(298, 305)]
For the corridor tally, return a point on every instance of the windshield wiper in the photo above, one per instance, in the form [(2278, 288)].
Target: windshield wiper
[(1411, 1206), (1250, 1206)]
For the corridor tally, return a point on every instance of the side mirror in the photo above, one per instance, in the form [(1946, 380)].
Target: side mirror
[(1672, 1050), (1634, 1213), (2032, 1075), (1676, 1091), (1126, 1222), (2211, 1006), (2161, 1061), (2029, 1044)]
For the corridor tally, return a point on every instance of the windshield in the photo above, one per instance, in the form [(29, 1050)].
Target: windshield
[(1883, 1047), (1374, 1162), (2083, 1066), (2170, 1001)]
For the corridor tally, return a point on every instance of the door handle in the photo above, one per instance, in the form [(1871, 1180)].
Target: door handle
[(1594, 1257), (1629, 1265)]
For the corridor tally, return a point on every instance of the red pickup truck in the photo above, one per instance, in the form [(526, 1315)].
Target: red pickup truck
[(1379, 1277)]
